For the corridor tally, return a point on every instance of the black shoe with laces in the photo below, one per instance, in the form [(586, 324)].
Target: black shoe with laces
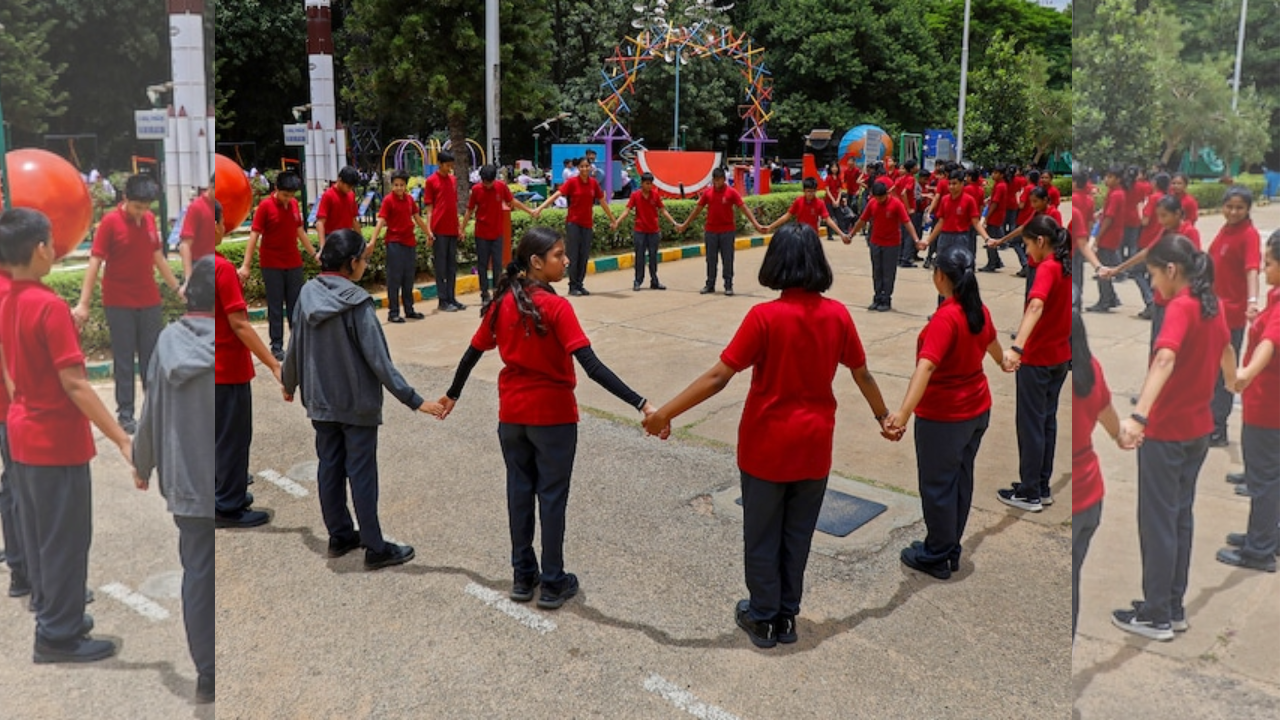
[(1132, 621), (910, 557), (707, 290), (391, 554), (339, 547), (1219, 439), (522, 588), (763, 634), (77, 650), (554, 596), (655, 285), (785, 627), (1238, 540), (414, 315), (728, 292)]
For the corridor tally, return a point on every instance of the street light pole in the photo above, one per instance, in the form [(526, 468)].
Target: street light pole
[(675, 126), (1235, 84), (964, 84)]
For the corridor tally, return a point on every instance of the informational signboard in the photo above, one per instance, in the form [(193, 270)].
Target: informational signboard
[(295, 135), (151, 124)]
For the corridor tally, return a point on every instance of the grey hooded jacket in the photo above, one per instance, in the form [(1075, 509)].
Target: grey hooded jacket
[(176, 432), (338, 355)]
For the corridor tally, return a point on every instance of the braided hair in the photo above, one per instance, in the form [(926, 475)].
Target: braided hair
[(537, 240), (1059, 239), (1197, 266)]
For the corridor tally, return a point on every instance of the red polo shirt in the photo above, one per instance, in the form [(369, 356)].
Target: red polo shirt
[(997, 202), (278, 224), (233, 363), (1261, 405), (1113, 236), (1086, 474), (1152, 231), (854, 180), (808, 212), (582, 192), (957, 215), (398, 213), (1050, 342), (720, 204), (906, 187), (1082, 205), (5, 281), (887, 217), (957, 390), (40, 340), (1190, 208), (487, 204), (198, 227), (441, 193), (794, 345), (129, 249), (646, 210), (535, 385), (1026, 212), (1133, 198), (1182, 411), (976, 191), (833, 184), (337, 210), (1235, 252), (1055, 197)]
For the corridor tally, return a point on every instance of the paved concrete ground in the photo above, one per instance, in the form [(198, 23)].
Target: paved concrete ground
[(1228, 664), (135, 545), (652, 633)]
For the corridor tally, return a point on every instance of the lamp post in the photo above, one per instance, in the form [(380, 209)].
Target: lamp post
[(1235, 84), (964, 84)]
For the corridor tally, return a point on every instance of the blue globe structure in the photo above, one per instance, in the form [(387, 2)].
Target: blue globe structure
[(853, 145)]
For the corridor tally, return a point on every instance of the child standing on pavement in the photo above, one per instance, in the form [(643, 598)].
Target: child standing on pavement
[(538, 336), (337, 208), (487, 201), (398, 214), (583, 193), (51, 408), (440, 199), (721, 230), (338, 356), (647, 203), (795, 345), (889, 222), (808, 210), (1236, 258)]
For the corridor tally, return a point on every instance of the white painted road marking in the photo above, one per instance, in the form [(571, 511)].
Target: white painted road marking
[(496, 600), (685, 700), (283, 483), (140, 603)]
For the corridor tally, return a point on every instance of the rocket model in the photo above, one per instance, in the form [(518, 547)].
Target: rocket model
[(188, 149), (326, 140)]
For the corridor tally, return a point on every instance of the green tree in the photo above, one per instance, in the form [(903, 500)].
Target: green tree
[(424, 61), (1028, 25), (1049, 110), (28, 84), (1112, 84), (996, 126)]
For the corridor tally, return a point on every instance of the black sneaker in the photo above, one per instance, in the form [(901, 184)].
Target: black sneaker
[(1146, 314), (635, 286), (785, 626), (1238, 540), (448, 308), (395, 319), (1130, 621), (763, 634), (129, 425), (1098, 308), (522, 588), (707, 289), (1177, 619), (1016, 498), (575, 292), (78, 650), (990, 268), (910, 557), (86, 625), (1219, 439), (341, 546), (278, 354), (874, 306), (248, 501), (458, 306), (728, 292), (583, 291), (928, 264), (392, 554), (1235, 478), (204, 689), (1233, 557), (553, 597), (1045, 499), (414, 315), (1243, 490), (953, 563), (242, 519), (655, 285), (19, 585)]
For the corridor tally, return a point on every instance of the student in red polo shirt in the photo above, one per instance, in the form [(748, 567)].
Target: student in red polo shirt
[(795, 345), (197, 237), (1110, 238), (127, 241), (440, 199), (1090, 405), (487, 200), (904, 188), (1171, 424), (1136, 189), (583, 193), (721, 229), (957, 216), (1236, 258), (1046, 182), (949, 395), (1259, 383), (51, 441), (833, 191), (995, 215), (647, 203), (236, 343), (854, 183), (14, 556), (1041, 354), (889, 221), (278, 223), (808, 210), (1178, 188), (1151, 230), (337, 209), (537, 335), (398, 214)]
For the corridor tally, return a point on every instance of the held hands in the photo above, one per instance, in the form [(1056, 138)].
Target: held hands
[(1252, 311), (893, 426), (1012, 361), (80, 314), (140, 482), (243, 272), (446, 406), (435, 409), (1131, 434), (1243, 379), (655, 423), (1106, 273)]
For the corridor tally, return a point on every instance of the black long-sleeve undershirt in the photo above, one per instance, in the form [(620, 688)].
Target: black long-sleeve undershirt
[(595, 369)]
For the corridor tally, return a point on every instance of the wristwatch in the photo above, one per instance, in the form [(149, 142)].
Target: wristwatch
[(1140, 419)]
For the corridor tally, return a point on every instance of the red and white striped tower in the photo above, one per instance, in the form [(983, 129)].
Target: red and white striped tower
[(188, 149)]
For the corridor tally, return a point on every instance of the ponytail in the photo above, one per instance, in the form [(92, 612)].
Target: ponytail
[(538, 241), (1201, 276), (957, 264), (1059, 239), (1174, 249)]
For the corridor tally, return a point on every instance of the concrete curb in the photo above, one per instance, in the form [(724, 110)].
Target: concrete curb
[(471, 283)]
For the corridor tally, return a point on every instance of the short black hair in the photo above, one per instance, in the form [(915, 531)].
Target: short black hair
[(489, 173), (647, 177), (879, 189), (717, 173), (200, 286), (288, 182), (795, 259), (349, 175), (444, 156), (810, 183), (141, 188), (21, 231), (400, 174)]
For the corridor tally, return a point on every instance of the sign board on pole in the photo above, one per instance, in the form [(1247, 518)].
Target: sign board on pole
[(151, 124), (295, 135)]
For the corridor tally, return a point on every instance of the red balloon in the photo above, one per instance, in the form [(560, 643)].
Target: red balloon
[(231, 188), (46, 182)]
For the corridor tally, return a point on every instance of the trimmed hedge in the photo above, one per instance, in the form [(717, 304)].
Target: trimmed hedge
[(95, 338), (767, 208)]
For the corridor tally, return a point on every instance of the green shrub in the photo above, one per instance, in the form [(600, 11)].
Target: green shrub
[(95, 338), (767, 208)]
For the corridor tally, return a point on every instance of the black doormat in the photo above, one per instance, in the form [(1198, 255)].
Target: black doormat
[(843, 513)]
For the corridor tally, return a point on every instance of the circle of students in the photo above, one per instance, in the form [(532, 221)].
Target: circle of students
[(337, 357), (1201, 304), (47, 407)]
